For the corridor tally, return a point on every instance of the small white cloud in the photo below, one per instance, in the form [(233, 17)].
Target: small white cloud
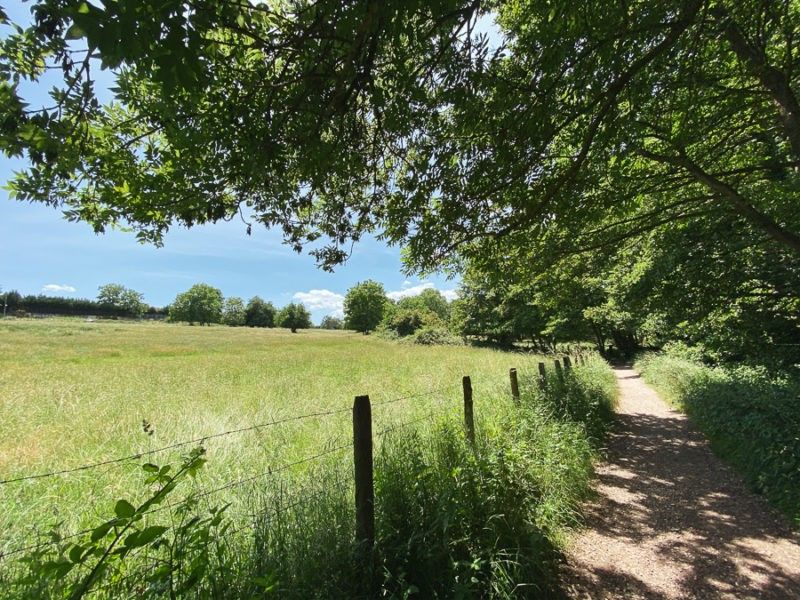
[(322, 300), (57, 288), (415, 290), (449, 295)]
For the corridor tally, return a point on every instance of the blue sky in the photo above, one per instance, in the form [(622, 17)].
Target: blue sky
[(40, 252)]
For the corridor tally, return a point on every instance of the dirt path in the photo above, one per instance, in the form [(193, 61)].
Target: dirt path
[(670, 520)]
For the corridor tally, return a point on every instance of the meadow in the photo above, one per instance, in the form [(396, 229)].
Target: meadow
[(76, 392)]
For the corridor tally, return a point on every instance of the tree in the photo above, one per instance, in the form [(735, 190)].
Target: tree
[(593, 128), (428, 300), (406, 321), (233, 312), (364, 306), (460, 147), (294, 316), (201, 303), (121, 298), (260, 313), (331, 322)]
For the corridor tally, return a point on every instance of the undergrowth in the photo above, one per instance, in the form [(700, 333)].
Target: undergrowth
[(751, 418), (453, 520)]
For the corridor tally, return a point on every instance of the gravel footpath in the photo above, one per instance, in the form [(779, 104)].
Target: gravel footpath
[(670, 520)]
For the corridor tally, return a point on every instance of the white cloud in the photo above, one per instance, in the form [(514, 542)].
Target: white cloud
[(322, 300), (415, 290), (450, 295), (55, 288)]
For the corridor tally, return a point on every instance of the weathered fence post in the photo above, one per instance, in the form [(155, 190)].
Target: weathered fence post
[(469, 419), (362, 459), (542, 374), (567, 363), (512, 375), (559, 372)]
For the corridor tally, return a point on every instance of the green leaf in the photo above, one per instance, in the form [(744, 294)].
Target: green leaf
[(150, 468), (148, 534), (75, 32), (101, 531), (75, 553), (124, 509)]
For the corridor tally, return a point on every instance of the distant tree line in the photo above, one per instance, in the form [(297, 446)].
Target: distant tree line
[(205, 304), (113, 301)]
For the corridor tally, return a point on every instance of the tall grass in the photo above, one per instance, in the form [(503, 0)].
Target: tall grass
[(751, 417), (453, 520)]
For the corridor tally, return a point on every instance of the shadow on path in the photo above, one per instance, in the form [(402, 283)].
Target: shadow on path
[(670, 520)]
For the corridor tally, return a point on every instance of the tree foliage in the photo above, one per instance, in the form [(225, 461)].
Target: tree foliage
[(233, 312), (331, 322), (119, 297), (364, 306), (594, 131), (201, 303), (430, 300), (294, 316), (259, 313)]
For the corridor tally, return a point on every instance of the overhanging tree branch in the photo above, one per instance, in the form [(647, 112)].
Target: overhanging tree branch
[(726, 191)]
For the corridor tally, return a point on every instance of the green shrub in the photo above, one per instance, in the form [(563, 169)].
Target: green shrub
[(751, 418), (408, 321), (436, 336)]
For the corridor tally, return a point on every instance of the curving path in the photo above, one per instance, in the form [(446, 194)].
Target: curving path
[(670, 520)]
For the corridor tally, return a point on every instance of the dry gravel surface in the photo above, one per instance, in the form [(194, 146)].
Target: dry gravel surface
[(670, 520)]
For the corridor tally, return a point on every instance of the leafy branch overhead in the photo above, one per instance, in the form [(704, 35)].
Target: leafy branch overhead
[(579, 125)]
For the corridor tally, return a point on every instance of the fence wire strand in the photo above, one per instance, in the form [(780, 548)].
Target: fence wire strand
[(197, 496), (173, 446), (206, 493)]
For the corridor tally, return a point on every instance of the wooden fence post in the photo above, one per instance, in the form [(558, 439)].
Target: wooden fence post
[(362, 459), (469, 419), (542, 374), (512, 375), (567, 363), (558, 370)]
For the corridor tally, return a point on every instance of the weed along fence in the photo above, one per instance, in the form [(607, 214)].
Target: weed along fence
[(363, 443), (85, 555)]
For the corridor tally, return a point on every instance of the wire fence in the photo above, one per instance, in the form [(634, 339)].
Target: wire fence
[(362, 441), (57, 540)]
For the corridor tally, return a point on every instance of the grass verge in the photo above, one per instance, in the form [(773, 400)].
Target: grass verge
[(751, 418)]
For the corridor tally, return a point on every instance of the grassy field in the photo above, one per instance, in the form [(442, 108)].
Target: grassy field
[(74, 392)]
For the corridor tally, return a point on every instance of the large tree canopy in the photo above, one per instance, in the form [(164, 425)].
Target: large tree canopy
[(621, 170), (592, 123)]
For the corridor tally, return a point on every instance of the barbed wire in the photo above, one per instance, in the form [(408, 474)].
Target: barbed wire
[(426, 417), (172, 446), (272, 471)]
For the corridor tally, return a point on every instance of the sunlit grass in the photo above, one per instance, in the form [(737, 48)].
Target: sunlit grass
[(73, 392)]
